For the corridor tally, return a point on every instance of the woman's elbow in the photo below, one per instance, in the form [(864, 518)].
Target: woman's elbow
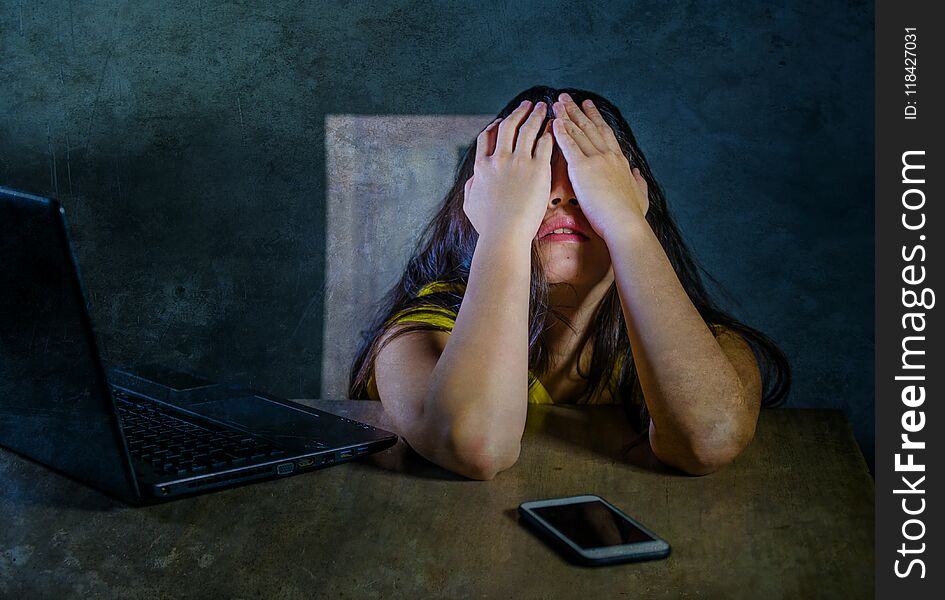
[(480, 458), (699, 463), (701, 456), (480, 471), (464, 450)]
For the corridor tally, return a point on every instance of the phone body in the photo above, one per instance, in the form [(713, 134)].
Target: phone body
[(591, 531)]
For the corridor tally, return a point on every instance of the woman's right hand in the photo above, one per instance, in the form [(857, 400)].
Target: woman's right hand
[(508, 192)]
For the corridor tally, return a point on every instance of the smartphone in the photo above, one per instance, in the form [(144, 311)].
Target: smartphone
[(591, 531)]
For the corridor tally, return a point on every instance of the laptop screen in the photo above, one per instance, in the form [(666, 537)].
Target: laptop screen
[(54, 403)]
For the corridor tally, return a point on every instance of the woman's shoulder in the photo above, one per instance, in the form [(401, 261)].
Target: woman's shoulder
[(728, 335), (440, 317), (717, 329)]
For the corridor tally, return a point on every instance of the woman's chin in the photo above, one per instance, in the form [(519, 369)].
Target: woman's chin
[(580, 265), (572, 276), (581, 275)]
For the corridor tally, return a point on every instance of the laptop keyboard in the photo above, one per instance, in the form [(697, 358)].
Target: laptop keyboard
[(174, 446)]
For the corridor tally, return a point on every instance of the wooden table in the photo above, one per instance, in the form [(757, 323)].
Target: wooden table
[(792, 517)]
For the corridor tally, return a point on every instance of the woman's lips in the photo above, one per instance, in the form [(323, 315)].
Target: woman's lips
[(563, 237)]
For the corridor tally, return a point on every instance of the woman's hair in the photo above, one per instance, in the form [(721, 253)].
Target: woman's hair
[(444, 253)]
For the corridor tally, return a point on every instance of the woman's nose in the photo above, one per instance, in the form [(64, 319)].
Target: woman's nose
[(558, 200)]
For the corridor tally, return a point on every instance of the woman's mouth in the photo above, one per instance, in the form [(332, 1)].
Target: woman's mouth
[(563, 234)]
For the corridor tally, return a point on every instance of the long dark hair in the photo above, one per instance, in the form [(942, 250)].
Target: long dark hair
[(444, 253)]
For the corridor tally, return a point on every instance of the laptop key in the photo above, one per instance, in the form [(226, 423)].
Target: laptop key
[(175, 445)]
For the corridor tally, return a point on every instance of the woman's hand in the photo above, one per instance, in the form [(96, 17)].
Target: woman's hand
[(508, 192), (610, 193)]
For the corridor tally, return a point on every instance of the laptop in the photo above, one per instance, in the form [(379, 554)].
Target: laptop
[(142, 434)]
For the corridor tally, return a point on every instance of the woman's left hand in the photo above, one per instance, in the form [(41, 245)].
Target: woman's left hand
[(610, 193)]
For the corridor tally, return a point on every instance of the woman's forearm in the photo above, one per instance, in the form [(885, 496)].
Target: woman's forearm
[(478, 393), (696, 401)]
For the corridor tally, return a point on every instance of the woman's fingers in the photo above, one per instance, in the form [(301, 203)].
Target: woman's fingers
[(508, 127), (579, 138), (485, 141), (545, 144), (605, 131), (569, 148), (525, 141), (588, 127)]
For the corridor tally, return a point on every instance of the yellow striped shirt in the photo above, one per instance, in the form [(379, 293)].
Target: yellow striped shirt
[(443, 317), (446, 318)]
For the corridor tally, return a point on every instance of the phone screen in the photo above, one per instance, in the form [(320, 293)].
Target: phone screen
[(592, 524)]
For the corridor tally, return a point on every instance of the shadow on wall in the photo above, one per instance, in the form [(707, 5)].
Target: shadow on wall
[(200, 240), (386, 176)]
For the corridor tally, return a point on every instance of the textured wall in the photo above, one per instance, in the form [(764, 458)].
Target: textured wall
[(387, 175), (186, 140)]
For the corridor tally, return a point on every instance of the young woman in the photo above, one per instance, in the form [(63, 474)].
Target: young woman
[(553, 273)]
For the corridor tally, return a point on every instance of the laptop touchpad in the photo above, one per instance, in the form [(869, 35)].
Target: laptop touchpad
[(294, 428)]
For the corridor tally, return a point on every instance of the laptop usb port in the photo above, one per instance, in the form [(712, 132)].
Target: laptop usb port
[(345, 454), (361, 449)]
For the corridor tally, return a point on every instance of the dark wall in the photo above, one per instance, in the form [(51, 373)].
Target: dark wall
[(186, 141)]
